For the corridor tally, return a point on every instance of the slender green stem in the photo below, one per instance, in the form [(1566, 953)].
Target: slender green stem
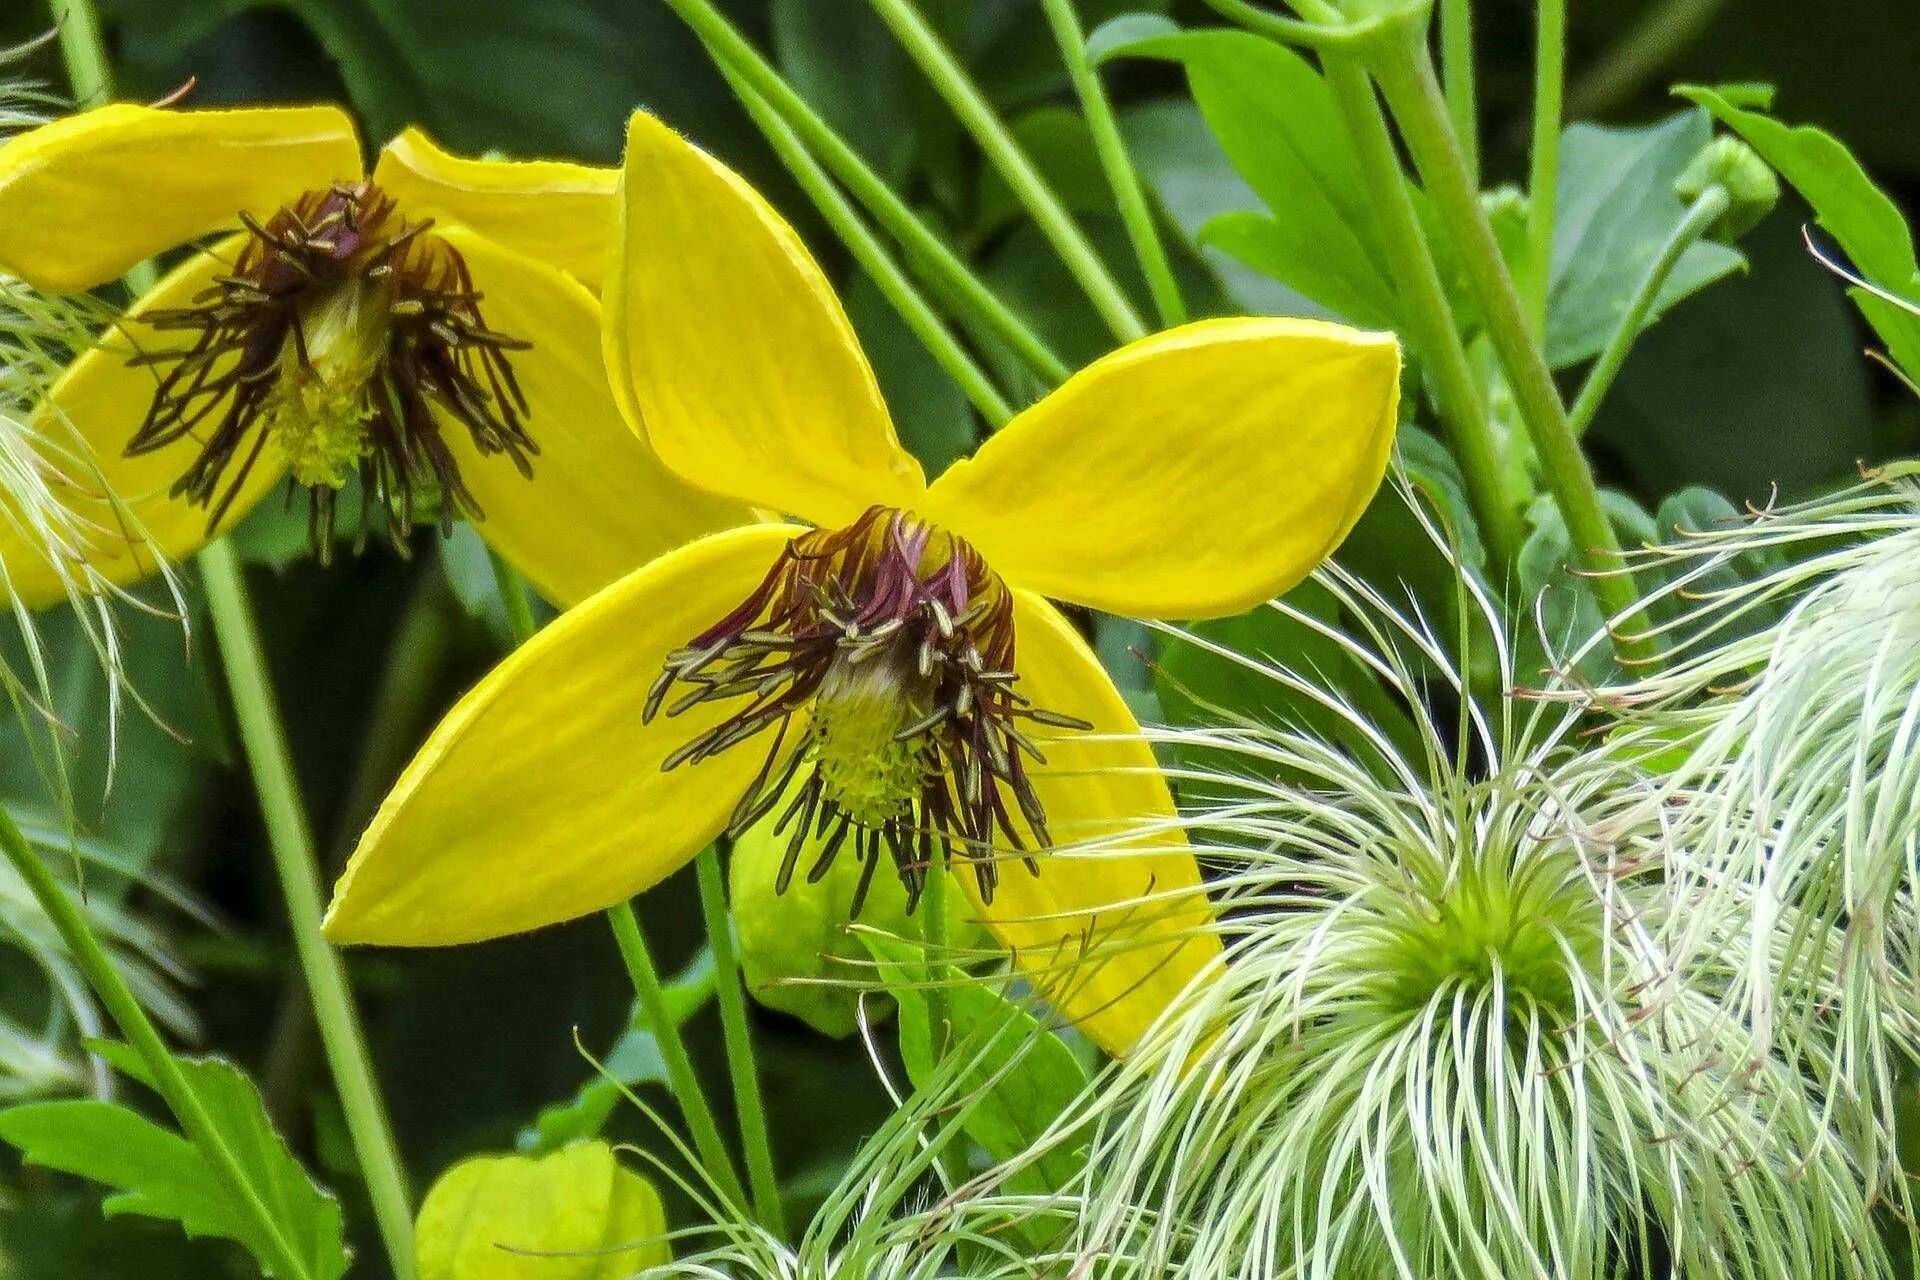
[(1326, 25), (1457, 69), (1663, 31), (1117, 164), (673, 1053), (1543, 173), (925, 248), (290, 839), (951, 1158), (171, 1083), (513, 598), (1701, 215), (873, 257), (731, 993), (1406, 74), (1427, 312), (1004, 152), (681, 1079), (83, 52)]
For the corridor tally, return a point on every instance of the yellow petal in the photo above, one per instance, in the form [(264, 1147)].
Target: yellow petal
[(1113, 930), (541, 797), (727, 347), (119, 505), (1191, 474), (599, 504), (553, 210), (85, 198)]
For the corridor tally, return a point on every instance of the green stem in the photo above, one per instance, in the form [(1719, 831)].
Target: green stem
[(673, 1053), (290, 840), (169, 1081), (681, 1079), (1326, 24), (1701, 215), (1543, 177), (1117, 164), (83, 51), (1456, 61), (873, 257), (934, 59), (1427, 313), (951, 1158), (924, 246), (731, 993), (1406, 74)]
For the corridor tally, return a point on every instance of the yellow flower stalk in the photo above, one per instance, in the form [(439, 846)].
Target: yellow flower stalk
[(431, 328), (885, 674)]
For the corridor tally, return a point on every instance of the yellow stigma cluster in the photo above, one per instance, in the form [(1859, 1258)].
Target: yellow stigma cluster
[(318, 410), (867, 764)]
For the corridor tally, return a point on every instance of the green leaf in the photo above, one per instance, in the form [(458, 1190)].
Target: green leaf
[(576, 1214), (1015, 1077), (936, 423), (842, 58), (1116, 35), (160, 1174), (1846, 202), (1616, 209), (1277, 122)]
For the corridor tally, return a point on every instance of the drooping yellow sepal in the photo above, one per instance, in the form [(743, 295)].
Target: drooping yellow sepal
[(86, 197)]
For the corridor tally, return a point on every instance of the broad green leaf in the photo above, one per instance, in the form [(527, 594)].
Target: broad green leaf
[(575, 1214), (1114, 36), (1615, 211), (1277, 122), (1849, 206), (127, 1154), (634, 1060), (1014, 1076)]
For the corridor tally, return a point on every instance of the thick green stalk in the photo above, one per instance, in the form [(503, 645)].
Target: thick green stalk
[(124, 1008), (290, 839), (1406, 74), (1456, 67), (924, 246), (687, 1092), (731, 993), (1427, 313), (83, 52), (873, 258), (1004, 152), (1117, 164), (641, 971), (1543, 175), (1701, 215)]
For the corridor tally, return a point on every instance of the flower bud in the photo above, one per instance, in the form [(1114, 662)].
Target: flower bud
[(1751, 186)]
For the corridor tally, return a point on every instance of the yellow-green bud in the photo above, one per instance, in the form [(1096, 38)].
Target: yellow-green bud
[(576, 1214), (799, 955), (1750, 183)]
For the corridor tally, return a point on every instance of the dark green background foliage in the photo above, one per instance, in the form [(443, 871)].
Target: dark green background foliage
[(1756, 380)]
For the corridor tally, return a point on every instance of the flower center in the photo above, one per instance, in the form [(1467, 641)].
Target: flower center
[(889, 645), (343, 335)]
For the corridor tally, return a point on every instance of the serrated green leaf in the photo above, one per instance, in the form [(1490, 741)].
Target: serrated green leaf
[(306, 1217), (1616, 209), (1849, 206), (156, 1173)]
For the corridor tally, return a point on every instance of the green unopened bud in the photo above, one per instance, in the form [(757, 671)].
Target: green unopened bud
[(576, 1214), (796, 947), (1750, 183)]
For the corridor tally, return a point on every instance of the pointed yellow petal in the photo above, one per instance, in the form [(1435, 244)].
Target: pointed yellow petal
[(1112, 930), (85, 198), (541, 797), (119, 505), (1191, 474), (728, 349), (599, 504), (553, 210)]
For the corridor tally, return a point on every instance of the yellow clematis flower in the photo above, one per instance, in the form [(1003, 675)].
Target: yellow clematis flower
[(890, 672), (431, 328)]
